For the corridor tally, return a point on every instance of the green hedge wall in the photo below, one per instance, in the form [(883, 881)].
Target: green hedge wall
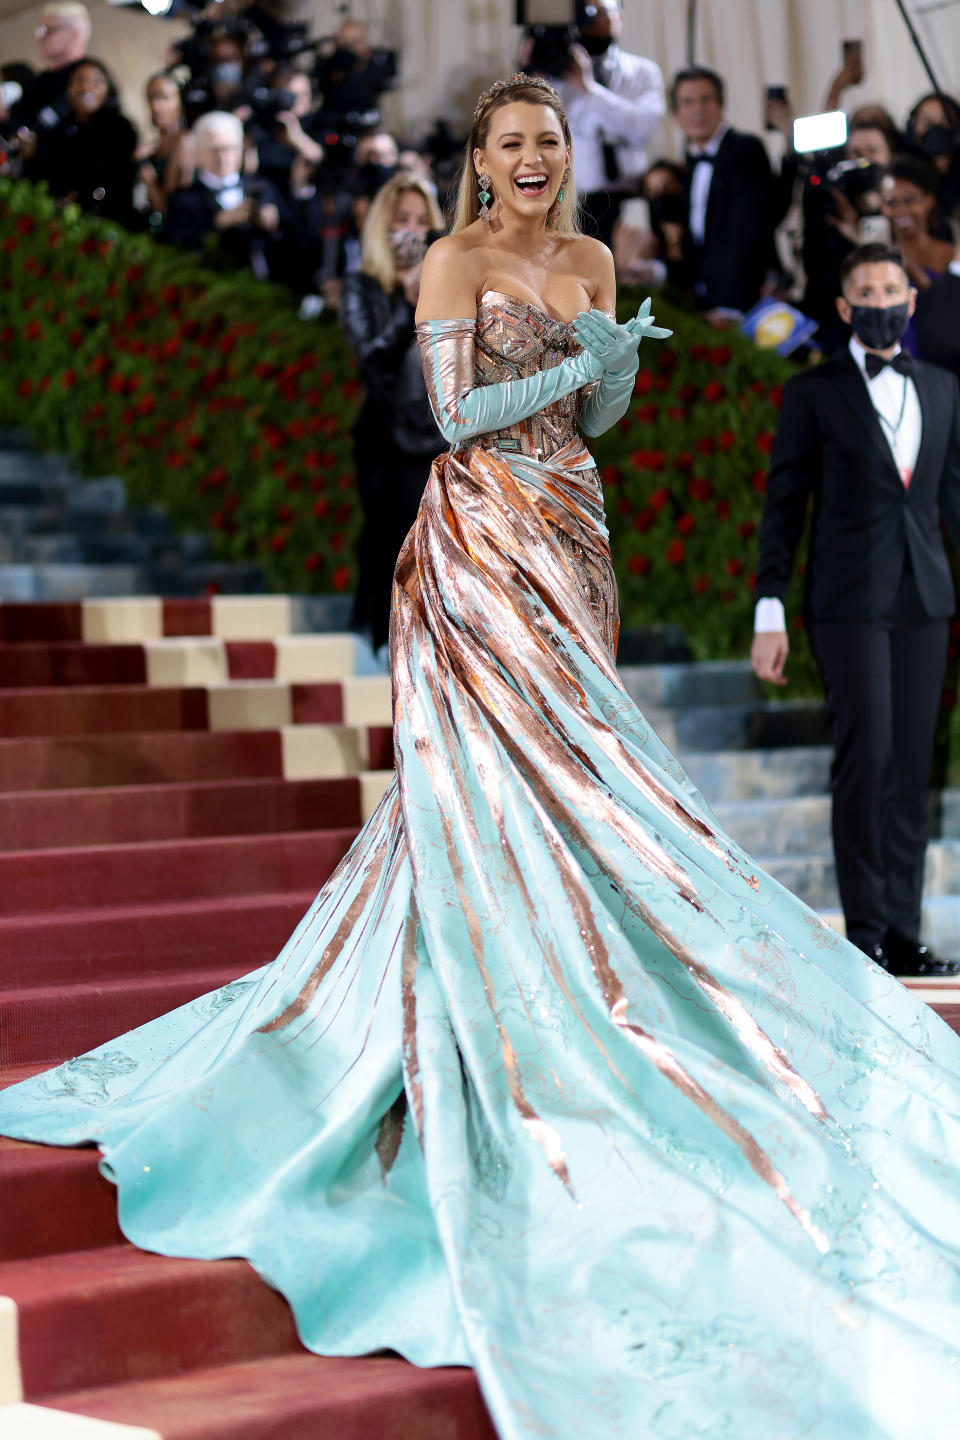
[(208, 395)]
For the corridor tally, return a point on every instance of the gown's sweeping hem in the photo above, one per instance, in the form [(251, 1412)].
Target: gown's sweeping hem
[(550, 1079)]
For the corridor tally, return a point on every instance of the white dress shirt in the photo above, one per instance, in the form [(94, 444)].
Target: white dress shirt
[(626, 110), (702, 179), (895, 399), (227, 188)]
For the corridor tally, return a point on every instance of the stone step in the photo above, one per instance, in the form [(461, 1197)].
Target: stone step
[(706, 683), (759, 726), (798, 824), (652, 645), (940, 929), (758, 774), (813, 875)]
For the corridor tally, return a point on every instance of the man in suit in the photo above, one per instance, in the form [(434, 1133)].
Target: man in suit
[(729, 232), (938, 313), (872, 438), (243, 210)]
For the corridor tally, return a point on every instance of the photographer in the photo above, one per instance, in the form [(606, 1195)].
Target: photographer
[(284, 133), (354, 77), (938, 312), (62, 39), (652, 256), (395, 435), (614, 102), (244, 211)]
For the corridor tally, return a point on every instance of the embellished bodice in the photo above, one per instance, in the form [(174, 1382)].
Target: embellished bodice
[(516, 339)]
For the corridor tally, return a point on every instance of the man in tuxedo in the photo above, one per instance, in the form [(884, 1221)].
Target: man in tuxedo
[(243, 210), (729, 232), (872, 438), (938, 313)]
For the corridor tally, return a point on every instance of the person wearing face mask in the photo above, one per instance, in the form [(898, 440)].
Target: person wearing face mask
[(872, 438), (933, 131), (395, 435)]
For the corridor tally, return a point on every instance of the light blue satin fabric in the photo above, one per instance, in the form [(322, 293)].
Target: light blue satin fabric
[(550, 1079)]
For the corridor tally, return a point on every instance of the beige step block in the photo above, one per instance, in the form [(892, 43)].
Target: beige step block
[(249, 705), (250, 617), (119, 622), (11, 1388), (374, 784), (187, 660), (319, 752), (367, 700), (37, 1422), (306, 658)]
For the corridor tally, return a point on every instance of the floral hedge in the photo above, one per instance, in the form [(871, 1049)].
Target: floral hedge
[(210, 396)]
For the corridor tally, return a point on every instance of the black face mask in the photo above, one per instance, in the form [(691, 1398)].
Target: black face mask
[(878, 327), (668, 210), (596, 45), (374, 176), (938, 140)]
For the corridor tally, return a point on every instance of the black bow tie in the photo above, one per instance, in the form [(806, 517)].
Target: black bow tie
[(693, 159), (902, 363)]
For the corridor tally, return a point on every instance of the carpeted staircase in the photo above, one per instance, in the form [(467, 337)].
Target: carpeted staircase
[(177, 778)]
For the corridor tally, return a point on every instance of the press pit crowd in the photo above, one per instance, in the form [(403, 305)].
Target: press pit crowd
[(275, 147)]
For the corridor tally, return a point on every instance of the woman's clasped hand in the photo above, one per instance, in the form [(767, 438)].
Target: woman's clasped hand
[(615, 346)]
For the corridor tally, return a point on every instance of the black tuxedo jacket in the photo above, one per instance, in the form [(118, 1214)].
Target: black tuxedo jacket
[(191, 213), (729, 268), (830, 447)]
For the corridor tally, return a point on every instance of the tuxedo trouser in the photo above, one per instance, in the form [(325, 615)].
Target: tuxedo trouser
[(883, 680)]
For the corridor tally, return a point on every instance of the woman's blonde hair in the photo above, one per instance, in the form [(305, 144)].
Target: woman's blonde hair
[(376, 251), (563, 215)]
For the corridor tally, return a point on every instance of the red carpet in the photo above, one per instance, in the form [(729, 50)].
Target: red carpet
[(143, 862)]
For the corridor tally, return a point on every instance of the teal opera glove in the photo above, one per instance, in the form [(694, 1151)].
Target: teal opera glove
[(615, 347), (462, 408)]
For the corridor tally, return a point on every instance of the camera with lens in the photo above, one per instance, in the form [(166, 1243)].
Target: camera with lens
[(859, 182), (551, 27)]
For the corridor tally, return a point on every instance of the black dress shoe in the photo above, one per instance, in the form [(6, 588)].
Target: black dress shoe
[(877, 954), (909, 957)]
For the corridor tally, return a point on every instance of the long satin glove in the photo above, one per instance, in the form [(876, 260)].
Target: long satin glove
[(616, 347), (464, 409)]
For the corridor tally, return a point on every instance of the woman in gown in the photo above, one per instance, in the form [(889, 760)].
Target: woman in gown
[(551, 1080)]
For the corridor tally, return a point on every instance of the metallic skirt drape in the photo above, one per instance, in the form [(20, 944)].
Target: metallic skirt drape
[(551, 1079)]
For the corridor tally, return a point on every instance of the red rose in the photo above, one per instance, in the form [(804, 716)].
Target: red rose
[(68, 379), (720, 355), (700, 490), (217, 476), (337, 542), (752, 582), (232, 501), (644, 382), (133, 274), (733, 567), (24, 389), (34, 331), (765, 442), (726, 439), (663, 382), (346, 482), (611, 476), (278, 542), (659, 498), (706, 445), (341, 577), (727, 596), (686, 524), (746, 529), (797, 622), (759, 481), (687, 392), (675, 553), (284, 511), (145, 405), (638, 565), (293, 484), (701, 585), (320, 508), (175, 459), (676, 413), (25, 224), (44, 385), (313, 562), (684, 460), (10, 244), (643, 520), (649, 459), (723, 509), (217, 520), (776, 396), (713, 392), (115, 383), (646, 414)]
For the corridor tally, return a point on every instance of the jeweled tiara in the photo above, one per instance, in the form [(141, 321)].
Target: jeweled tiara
[(518, 79)]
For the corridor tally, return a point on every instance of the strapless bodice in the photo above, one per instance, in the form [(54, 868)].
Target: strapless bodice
[(516, 339)]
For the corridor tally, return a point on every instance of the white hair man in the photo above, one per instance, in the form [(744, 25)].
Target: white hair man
[(245, 210), (63, 39)]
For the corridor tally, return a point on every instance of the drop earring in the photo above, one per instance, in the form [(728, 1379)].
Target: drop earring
[(485, 196)]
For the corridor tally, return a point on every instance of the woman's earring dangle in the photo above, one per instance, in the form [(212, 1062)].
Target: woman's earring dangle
[(485, 196)]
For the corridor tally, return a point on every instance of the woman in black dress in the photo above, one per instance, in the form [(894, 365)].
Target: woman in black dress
[(91, 157)]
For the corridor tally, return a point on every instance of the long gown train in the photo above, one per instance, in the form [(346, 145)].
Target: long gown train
[(551, 1079)]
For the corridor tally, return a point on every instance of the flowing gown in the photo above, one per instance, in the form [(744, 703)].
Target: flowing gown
[(551, 1079)]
